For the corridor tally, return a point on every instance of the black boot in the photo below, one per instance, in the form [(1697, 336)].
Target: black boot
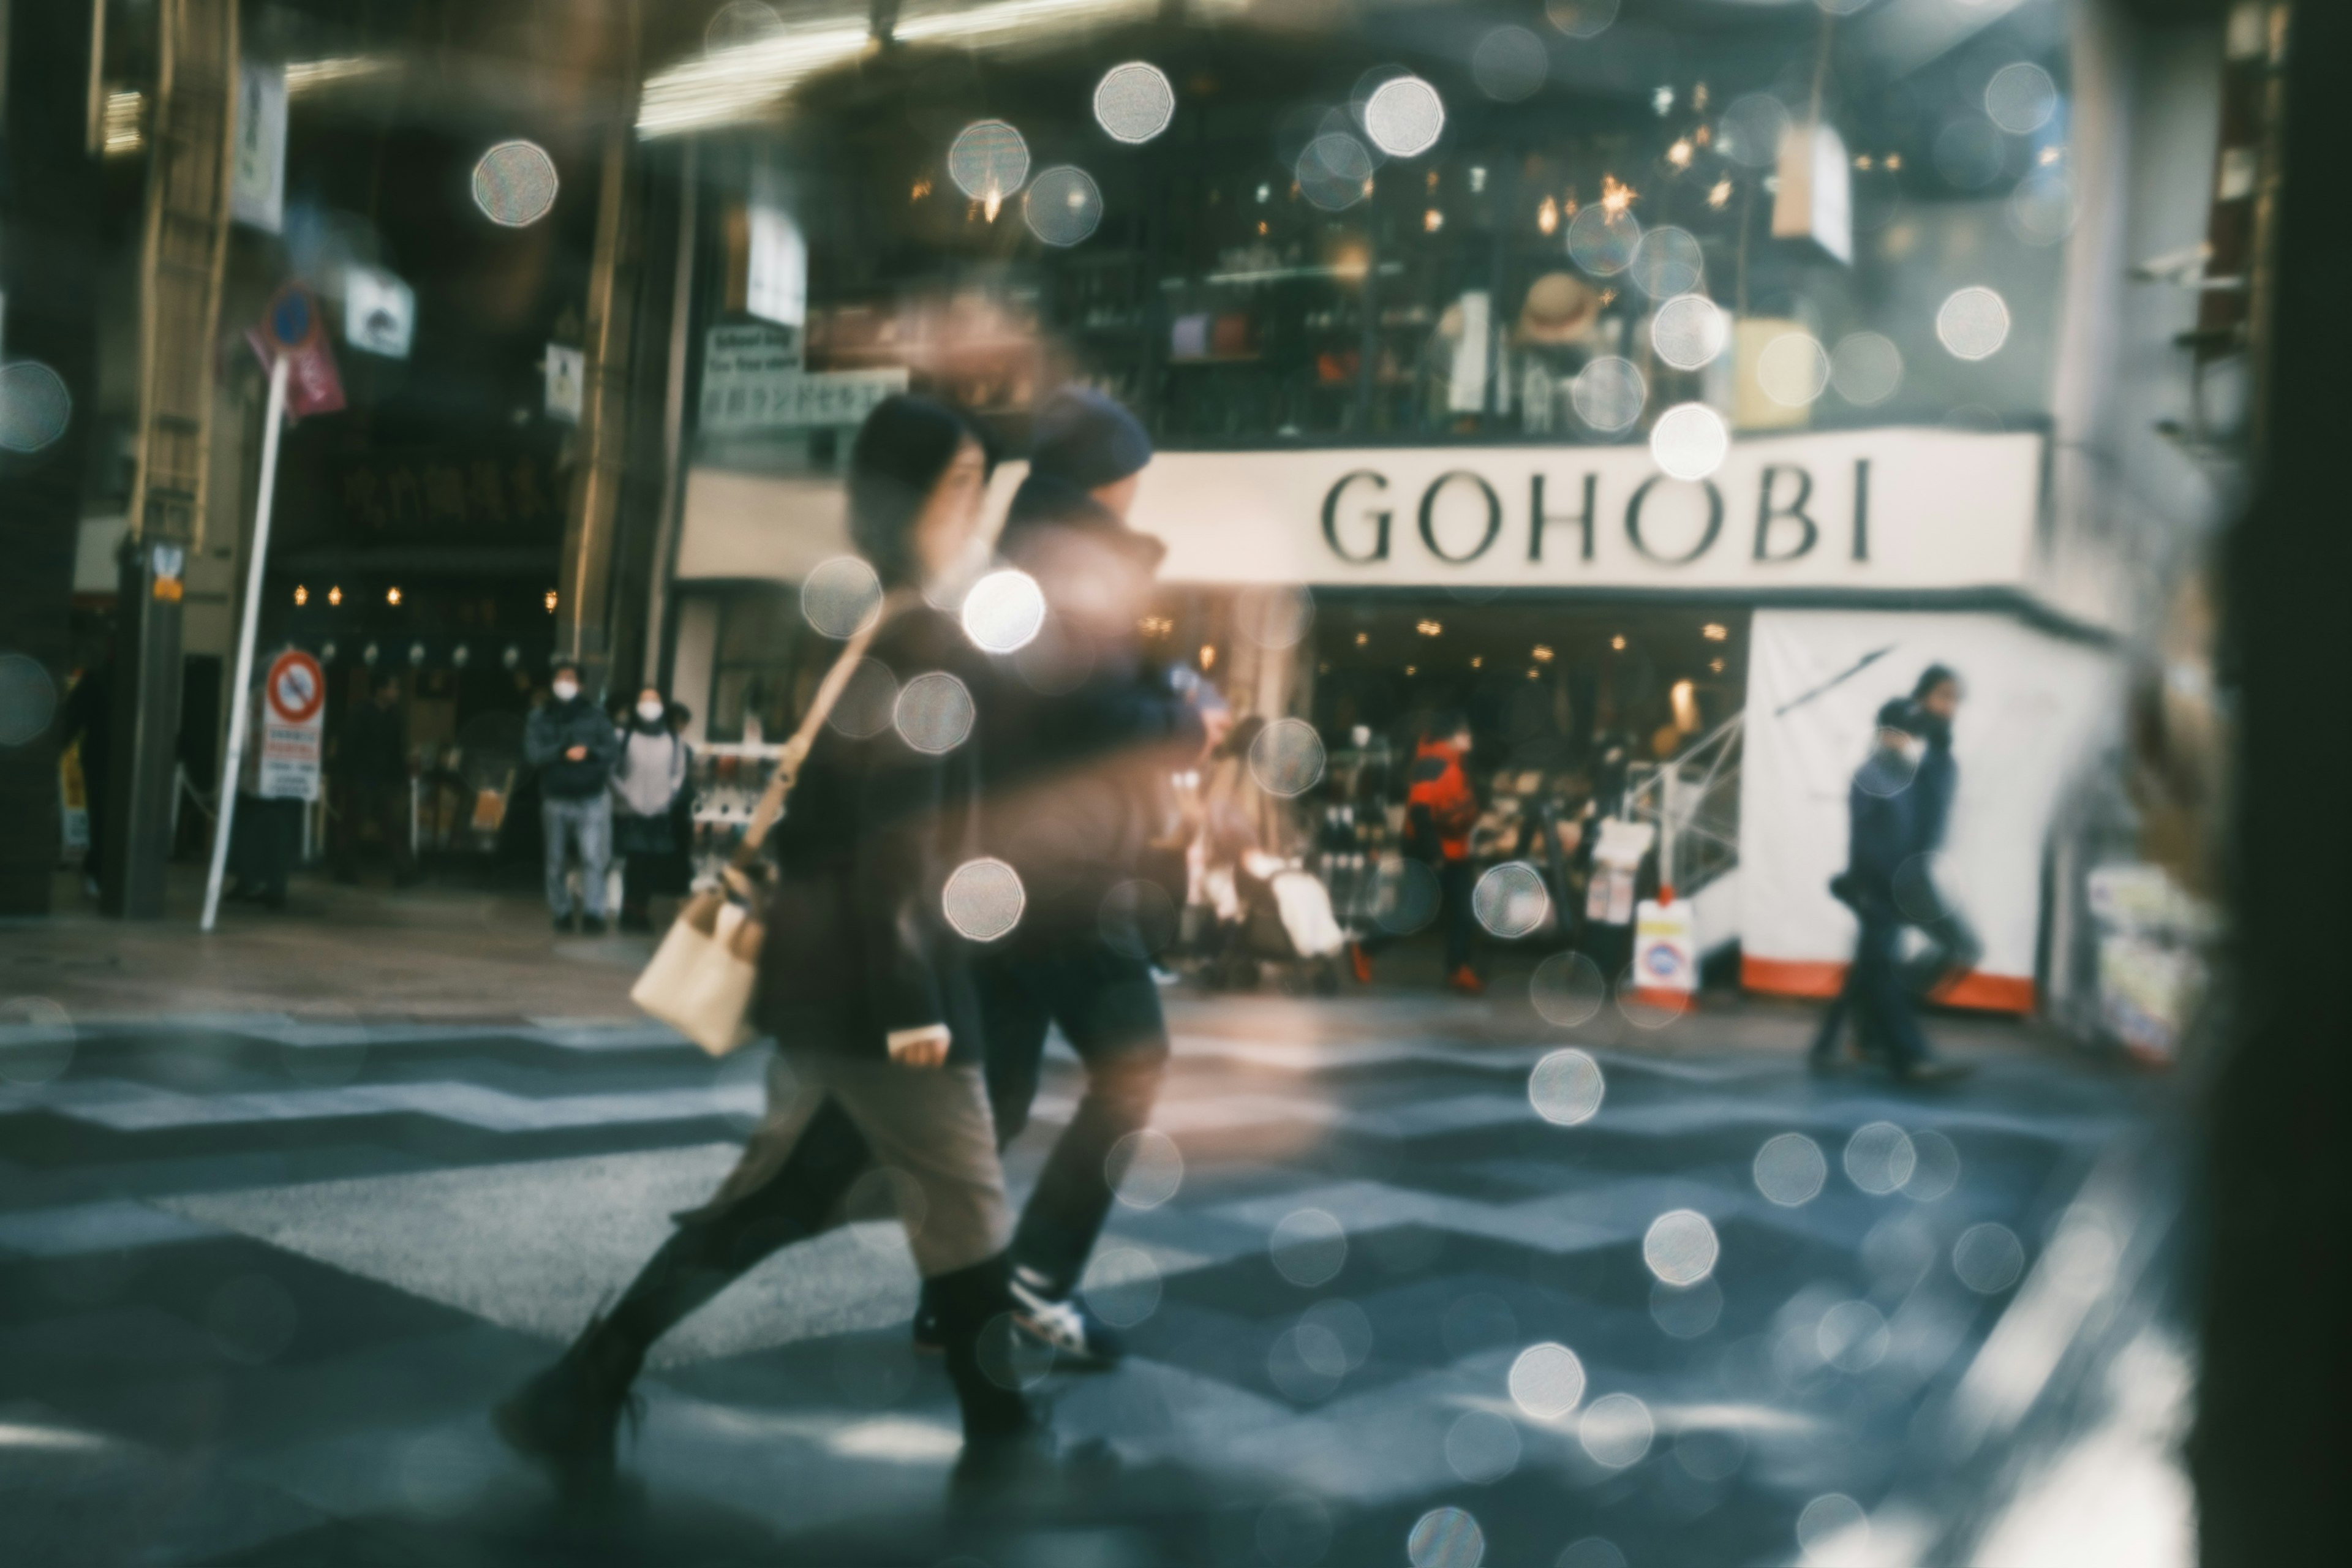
[(567, 1419), (1003, 1442)]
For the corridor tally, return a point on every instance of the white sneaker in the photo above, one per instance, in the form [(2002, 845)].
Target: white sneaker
[(1075, 1335)]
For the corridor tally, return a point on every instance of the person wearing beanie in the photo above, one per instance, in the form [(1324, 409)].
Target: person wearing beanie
[(1077, 734)]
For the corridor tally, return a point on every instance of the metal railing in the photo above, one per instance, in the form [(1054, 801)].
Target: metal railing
[(1694, 800)]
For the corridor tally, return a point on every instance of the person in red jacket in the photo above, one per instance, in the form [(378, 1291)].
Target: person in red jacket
[(1441, 808)]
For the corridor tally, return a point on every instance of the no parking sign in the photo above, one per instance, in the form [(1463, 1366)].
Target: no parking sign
[(293, 727)]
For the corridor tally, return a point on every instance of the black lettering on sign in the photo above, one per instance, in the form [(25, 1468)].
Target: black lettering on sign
[(1537, 520), (1862, 509), (1380, 550), (1767, 514), (1429, 516), (1706, 540)]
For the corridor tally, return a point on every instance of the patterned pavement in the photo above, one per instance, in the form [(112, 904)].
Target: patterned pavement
[(260, 1278)]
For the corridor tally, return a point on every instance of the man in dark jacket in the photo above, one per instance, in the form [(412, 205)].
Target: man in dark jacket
[(1882, 827), (1078, 731), (371, 756), (572, 745)]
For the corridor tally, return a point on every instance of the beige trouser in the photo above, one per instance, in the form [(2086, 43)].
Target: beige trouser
[(933, 1143)]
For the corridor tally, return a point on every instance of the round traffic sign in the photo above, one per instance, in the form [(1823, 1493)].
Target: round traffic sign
[(295, 687)]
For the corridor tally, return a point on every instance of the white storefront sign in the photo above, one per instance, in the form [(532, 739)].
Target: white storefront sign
[(1881, 508), (257, 175), (293, 728), (753, 380), (379, 311)]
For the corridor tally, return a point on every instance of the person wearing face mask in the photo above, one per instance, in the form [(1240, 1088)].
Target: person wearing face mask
[(867, 988), (574, 746), (647, 780), (1883, 808)]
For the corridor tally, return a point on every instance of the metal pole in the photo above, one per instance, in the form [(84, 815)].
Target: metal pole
[(240, 697)]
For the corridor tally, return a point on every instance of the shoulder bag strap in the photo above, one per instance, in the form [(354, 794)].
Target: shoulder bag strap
[(770, 806)]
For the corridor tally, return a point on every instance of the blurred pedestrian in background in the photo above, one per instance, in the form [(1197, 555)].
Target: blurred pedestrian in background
[(88, 722), (1952, 946), (1882, 817), (1441, 808), (265, 838), (870, 995), (372, 762), (1075, 765), (647, 779), (574, 746)]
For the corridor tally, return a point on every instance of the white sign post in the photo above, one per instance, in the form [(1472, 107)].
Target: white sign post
[(273, 421)]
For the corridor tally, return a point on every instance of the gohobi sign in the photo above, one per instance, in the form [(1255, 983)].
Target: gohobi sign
[(1867, 510)]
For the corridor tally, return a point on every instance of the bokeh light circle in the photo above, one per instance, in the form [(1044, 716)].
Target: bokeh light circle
[(35, 406), (1509, 64), (1134, 102), (1608, 394), (1145, 1169), (1509, 901), (28, 699), (1003, 611), (1286, 758), (1825, 1518), (1308, 1247), (1122, 1286), (1790, 1170), (933, 713), (1936, 1168), (1276, 617), (1852, 1336), (1649, 1006), (988, 161), (2020, 98), (1866, 368), (1446, 1538), (1547, 1380), (1973, 322), (1793, 370), (1680, 1246), (1602, 242), (1411, 901), (1582, 18), (1567, 1088), (1669, 261), (1879, 1158), (1062, 206), (1616, 1430), (1689, 441), (1689, 331), (840, 596), (1988, 1259), (868, 702), (1333, 170), (1346, 1323), (1752, 131), (741, 22), (1404, 117), (1968, 152), (515, 184), (1568, 989), (983, 900), (1482, 1447), (2040, 211)]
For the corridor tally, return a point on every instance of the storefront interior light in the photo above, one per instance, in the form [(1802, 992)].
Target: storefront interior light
[(550, 601), (1720, 195), (1429, 628), (1432, 221), (1411, 670), (1478, 661), (1208, 656), (392, 595), (310, 76), (1543, 653), (1548, 216), (334, 595), (1715, 631), (301, 595), (1716, 665), (1364, 638), (1618, 643)]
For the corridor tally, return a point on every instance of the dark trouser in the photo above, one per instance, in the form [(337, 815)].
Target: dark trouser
[(640, 872), (386, 805), (1953, 949), (1108, 1008), (1876, 992), (1456, 881), (263, 843)]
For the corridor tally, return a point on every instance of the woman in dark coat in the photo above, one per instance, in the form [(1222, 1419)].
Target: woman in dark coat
[(864, 983)]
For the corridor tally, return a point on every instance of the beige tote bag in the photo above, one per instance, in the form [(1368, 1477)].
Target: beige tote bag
[(702, 977)]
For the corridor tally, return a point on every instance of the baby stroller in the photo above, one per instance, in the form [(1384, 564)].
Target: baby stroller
[(1270, 911)]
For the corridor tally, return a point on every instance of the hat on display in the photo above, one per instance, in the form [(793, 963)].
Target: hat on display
[(1559, 309)]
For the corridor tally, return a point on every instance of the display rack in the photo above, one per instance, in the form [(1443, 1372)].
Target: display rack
[(726, 779)]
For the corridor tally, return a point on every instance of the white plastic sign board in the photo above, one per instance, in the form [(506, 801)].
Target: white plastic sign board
[(753, 380), (567, 379), (257, 183), (1666, 947), (379, 311), (293, 728)]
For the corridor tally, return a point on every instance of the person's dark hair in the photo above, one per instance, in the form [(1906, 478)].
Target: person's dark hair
[(901, 450), (1899, 714), (679, 713), (1932, 677), (560, 666)]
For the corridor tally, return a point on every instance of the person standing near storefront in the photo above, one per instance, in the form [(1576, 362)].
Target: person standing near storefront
[(1952, 946), (1073, 774), (647, 779), (869, 993), (1441, 808), (371, 756), (574, 746), (1883, 824)]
